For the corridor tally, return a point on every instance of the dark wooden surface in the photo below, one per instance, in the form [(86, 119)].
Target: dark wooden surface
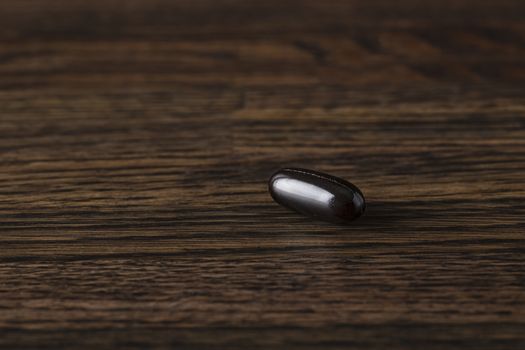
[(136, 139)]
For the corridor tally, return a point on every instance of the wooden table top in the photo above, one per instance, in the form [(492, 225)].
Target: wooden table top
[(136, 142)]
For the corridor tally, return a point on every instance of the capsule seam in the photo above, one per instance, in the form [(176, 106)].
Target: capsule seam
[(320, 177)]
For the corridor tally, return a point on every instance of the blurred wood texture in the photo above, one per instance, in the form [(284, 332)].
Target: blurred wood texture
[(137, 138)]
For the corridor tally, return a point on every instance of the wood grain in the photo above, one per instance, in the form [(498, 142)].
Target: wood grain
[(137, 138)]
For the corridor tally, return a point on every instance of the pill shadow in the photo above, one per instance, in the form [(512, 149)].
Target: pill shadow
[(400, 215), (393, 217)]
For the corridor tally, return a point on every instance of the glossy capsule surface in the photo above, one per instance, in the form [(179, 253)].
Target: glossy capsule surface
[(317, 195)]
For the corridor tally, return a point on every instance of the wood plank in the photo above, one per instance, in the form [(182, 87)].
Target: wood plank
[(137, 138)]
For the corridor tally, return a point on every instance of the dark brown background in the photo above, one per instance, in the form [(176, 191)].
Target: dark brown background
[(137, 137)]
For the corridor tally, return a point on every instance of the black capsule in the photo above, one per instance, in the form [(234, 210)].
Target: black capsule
[(320, 196)]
